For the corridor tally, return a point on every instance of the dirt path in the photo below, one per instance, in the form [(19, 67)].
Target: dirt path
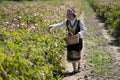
[(109, 46)]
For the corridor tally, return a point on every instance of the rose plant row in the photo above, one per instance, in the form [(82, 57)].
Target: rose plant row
[(28, 51), (110, 11)]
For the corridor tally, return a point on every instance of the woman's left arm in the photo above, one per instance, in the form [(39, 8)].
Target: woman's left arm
[(82, 29)]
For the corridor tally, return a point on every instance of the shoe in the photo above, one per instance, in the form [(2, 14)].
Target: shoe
[(79, 69), (74, 72)]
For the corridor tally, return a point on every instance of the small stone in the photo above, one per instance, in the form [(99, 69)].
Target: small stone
[(92, 71), (85, 76)]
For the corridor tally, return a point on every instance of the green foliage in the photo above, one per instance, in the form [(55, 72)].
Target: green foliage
[(30, 56), (28, 51), (110, 11), (101, 61)]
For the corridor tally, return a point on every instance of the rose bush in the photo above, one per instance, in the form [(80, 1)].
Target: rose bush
[(110, 12), (28, 51)]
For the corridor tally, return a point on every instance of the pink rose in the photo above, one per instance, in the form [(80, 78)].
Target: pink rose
[(4, 74)]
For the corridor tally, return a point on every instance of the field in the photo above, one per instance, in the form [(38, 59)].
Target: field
[(28, 51)]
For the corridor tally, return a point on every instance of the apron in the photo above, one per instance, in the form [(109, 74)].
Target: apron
[(74, 51)]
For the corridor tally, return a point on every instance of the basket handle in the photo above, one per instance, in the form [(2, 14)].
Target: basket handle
[(70, 33)]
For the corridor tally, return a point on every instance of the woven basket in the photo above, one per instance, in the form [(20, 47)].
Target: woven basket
[(74, 39)]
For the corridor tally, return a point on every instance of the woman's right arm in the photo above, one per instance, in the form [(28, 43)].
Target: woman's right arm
[(58, 25)]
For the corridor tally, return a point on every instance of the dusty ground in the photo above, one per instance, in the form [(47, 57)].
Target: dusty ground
[(110, 46)]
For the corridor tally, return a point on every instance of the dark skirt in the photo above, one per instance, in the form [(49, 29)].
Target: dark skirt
[(75, 47)]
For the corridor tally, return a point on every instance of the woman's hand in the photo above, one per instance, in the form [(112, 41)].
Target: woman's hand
[(51, 28), (70, 34), (78, 35)]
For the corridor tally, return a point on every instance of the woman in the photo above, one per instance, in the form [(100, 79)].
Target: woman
[(76, 27)]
